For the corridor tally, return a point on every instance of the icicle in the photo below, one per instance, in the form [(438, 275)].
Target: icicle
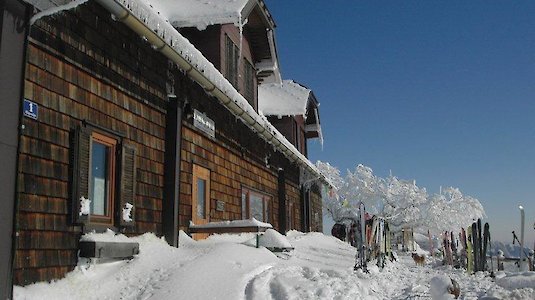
[(56, 9), (240, 25)]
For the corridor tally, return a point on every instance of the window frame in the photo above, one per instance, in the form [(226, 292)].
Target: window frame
[(231, 62), (249, 82), (111, 143), (290, 217), (121, 174), (267, 204)]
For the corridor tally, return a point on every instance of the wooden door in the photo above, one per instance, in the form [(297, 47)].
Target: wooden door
[(200, 199)]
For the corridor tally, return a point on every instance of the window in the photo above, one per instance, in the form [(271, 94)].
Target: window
[(102, 177), (290, 217), (249, 76), (200, 201), (103, 170), (231, 61), (256, 205)]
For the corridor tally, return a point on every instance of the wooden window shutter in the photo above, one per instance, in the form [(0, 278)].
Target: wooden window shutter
[(80, 153), (231, 57), (127, 185), (249, 74)]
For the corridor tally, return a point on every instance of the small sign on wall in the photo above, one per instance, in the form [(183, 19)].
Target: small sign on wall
[(220, 205), (30, 109), (204, 123)]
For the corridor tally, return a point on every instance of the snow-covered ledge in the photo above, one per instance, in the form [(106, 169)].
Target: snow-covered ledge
[(253, 223), (234, 226), (142, 18), (107, 245)]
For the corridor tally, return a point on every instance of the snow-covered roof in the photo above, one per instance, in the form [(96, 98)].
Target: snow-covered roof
[(158, 31), (200, 13), (282, 99)]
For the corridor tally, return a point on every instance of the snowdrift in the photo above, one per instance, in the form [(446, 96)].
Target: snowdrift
[(226, 267)]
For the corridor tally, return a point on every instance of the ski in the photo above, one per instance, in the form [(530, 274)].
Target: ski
[(455, 257), (447, 249), (469, 253), (486, 237), (475, 247), (481, 258), (362, 242), (464, 253)]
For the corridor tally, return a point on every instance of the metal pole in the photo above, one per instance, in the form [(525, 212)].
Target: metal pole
[(522, 217)]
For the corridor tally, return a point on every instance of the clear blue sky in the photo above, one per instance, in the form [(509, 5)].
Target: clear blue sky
[(443, 93)]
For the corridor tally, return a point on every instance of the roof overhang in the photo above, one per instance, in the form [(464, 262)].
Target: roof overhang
[(165, 38), (312, 120)]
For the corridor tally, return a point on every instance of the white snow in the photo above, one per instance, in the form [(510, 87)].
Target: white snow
[(516, 280), (107, 236), (225, 267), (127, 212), (282, 99), (439, 286), (200, 14), (234, 223), (272, 239), (85, 206)]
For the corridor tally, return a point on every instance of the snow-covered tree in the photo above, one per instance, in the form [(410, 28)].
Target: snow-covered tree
[(333, 201), (401, 202), (343, 200), (451, 210)]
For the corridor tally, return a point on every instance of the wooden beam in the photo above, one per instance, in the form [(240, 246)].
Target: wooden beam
[(14, 19)]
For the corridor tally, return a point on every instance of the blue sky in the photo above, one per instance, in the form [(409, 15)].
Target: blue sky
[(443, 93)]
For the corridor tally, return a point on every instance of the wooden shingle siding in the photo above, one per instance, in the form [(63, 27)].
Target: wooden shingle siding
[(83, 66), (316, 208), (293, 195), (24, 275), (236, 159), (84, 69)]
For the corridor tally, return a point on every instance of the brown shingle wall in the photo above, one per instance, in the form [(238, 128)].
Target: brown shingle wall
[(316, 218), (229, 170), (84, 66), (293, 196)]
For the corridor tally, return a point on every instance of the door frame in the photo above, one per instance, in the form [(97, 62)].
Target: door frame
[(199, 172)]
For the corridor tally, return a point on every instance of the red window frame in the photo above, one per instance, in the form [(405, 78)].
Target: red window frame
[(111, 145)]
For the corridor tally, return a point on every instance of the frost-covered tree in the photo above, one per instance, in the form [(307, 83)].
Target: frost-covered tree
[(343, 200), (451, 210), (334, 201), (400, 202)]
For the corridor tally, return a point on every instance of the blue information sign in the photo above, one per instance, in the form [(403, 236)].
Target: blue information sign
[(31, 109)]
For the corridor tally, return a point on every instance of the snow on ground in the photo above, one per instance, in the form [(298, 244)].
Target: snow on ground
[(227, 267)]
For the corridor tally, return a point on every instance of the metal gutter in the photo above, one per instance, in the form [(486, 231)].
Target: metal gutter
[(268, 132)]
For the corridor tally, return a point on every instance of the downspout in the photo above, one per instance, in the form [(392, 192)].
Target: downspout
[(170, 201)]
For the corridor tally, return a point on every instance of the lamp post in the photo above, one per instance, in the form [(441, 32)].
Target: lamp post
[(522, 217)]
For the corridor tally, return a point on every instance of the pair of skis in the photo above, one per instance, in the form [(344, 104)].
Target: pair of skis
[(476, 245), (360, 260), (450, 250)]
